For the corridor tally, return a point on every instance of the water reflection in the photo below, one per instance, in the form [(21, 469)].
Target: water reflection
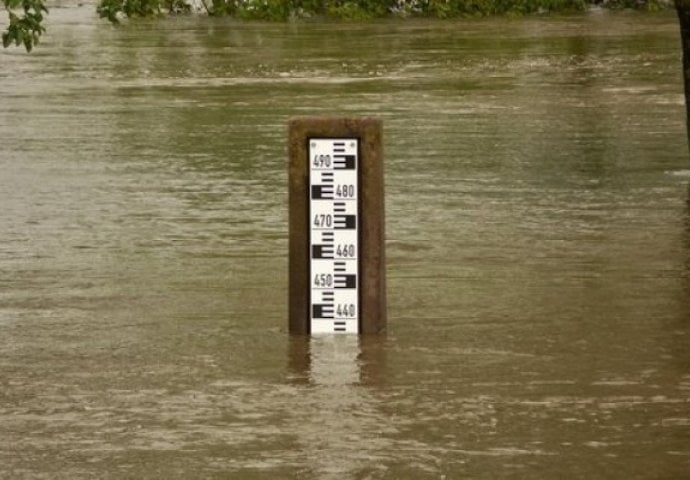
[(686, 244), (341, 431), (350, 360)]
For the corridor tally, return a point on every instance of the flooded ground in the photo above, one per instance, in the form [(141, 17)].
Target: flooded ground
[(538, 238)]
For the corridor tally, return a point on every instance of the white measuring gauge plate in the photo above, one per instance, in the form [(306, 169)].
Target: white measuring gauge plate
[(334, 235)]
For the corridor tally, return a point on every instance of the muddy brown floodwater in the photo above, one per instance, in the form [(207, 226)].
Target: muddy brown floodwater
[(538, 240)]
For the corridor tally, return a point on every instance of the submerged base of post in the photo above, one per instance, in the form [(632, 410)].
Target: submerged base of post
[(683, 11), (336, 233)]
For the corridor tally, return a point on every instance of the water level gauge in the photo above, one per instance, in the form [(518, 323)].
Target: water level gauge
[(337, 261), (334, 235)]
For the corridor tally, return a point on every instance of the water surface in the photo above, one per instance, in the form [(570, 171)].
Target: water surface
[(538, 240)]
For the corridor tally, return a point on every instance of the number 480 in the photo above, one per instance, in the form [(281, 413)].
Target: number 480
[(345, 191)]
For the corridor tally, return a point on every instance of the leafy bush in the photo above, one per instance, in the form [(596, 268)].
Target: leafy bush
[(26, 27), (648, 5)]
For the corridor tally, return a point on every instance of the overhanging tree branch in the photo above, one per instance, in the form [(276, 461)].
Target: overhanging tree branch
[(26, 27)]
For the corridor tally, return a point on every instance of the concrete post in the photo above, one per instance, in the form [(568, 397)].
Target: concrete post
[(321, 149)]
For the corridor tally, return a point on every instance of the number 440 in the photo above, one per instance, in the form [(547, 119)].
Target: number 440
[(346, 310)]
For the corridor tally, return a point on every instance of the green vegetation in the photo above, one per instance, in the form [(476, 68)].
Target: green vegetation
[(26, 16), (360, 9), (26, 22)]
